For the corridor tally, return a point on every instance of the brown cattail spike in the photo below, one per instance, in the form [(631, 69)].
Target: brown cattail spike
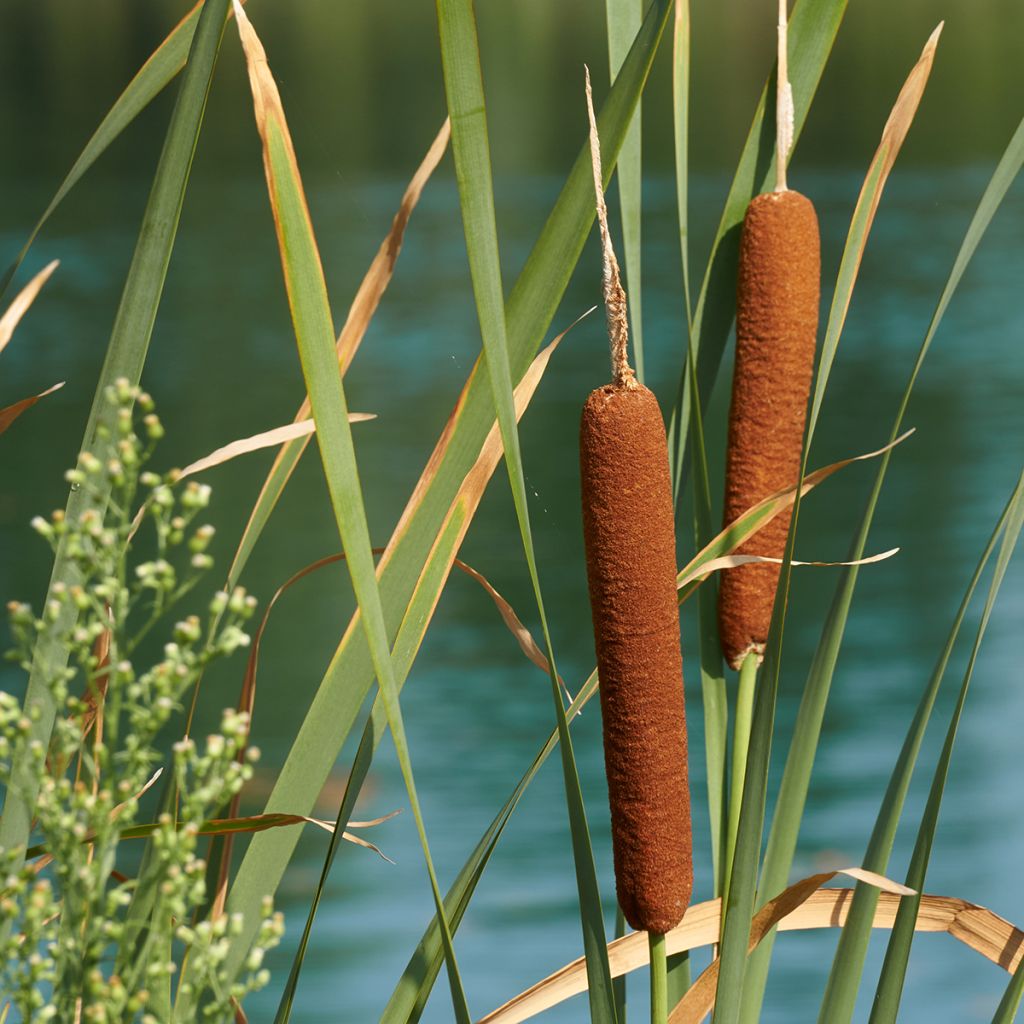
[(631, 568), (776, 327)]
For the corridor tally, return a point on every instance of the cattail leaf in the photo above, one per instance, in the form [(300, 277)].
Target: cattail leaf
[(425, 522), (163, 64), (460, 60), (624, 18), (813, 25), (897, 955), (846, 969), (414, 626), (1006, 1011), (314, 333), (22, 301), (804, 906), (681, 138), (126, 353), (364, 306)]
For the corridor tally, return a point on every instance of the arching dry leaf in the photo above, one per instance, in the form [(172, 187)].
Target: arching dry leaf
[(734, 561), (801, 908), (266, 439)]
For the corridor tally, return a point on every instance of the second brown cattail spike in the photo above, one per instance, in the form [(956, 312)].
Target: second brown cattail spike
[(777, 294), (628, 528)]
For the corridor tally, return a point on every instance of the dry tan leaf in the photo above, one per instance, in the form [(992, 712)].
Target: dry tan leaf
[(739, 531), (699, 1000), (19, 307), (801, 907), (893, 135), (266, 439), (734, 561), (9, 414)]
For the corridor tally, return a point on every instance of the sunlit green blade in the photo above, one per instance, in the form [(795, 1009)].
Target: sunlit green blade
[(624, 18), (812, 30), (125, 356), (897, 955), (1006, 1012), (460, 57), (315, 336), (164, 63), (840, 994), (531, 306)]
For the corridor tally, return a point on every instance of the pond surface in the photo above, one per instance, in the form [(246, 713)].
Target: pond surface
[(223, 365)]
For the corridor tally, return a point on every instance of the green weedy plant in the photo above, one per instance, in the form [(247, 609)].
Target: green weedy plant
[(64, 910)]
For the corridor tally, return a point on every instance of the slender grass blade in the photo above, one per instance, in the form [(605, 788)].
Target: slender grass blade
[(314, 333), (897, 955), (126, 353)]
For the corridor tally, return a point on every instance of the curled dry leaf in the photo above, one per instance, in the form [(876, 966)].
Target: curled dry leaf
[(266, 439), (9, 414), (733, 561), (745, 526), (803, 907), (515, 625), (19, 307)]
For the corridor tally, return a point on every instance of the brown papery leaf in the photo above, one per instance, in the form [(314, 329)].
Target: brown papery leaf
[(19, 307), (9, 414), (803, 906), (266, 439)]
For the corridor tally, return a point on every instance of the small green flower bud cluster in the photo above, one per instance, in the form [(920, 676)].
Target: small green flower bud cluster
[(72, 943)]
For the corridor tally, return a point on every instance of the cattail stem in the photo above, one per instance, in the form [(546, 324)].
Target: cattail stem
[(738, 771), (659, 978)]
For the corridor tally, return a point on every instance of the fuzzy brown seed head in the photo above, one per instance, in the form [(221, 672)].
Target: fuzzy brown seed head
[(628, 527), (776, 328)]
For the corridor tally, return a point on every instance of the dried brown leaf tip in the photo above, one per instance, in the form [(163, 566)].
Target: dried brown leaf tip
[(629, 534)]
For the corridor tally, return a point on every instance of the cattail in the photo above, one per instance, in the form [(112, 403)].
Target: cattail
[(776, 326), (628, 529)]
